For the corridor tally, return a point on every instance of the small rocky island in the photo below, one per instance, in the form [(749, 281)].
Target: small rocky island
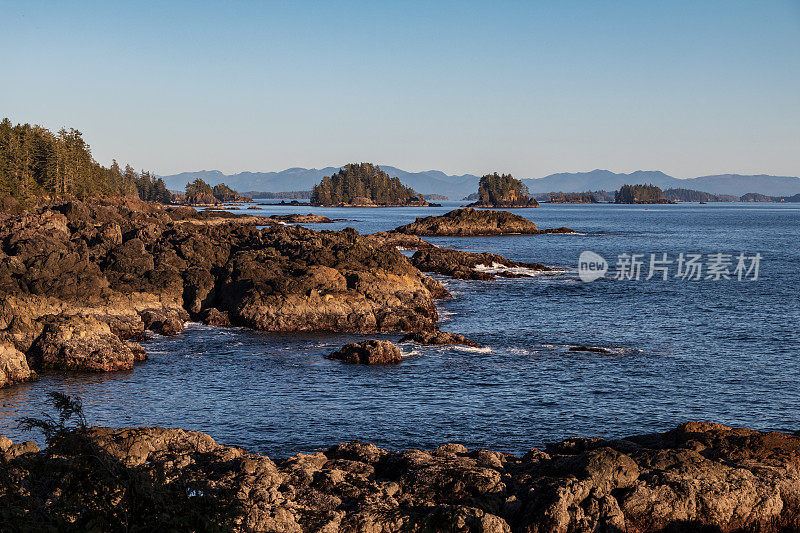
[(503, 191), (698, 477), (364, 185), (640, 194), (472, 222)]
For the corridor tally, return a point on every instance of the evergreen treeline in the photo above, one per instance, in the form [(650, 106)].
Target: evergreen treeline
[(354, 183), (302, 195), (640, 194), (503, 190), (35, 161), (573, 198)]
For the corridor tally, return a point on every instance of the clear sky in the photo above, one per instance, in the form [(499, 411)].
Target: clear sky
[(687, 87)]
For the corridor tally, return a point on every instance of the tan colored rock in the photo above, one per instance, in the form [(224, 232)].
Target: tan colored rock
[(13, 365)]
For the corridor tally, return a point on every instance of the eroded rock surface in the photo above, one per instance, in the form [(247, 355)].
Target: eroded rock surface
[(472, 222), (697, 477), (79, 282)]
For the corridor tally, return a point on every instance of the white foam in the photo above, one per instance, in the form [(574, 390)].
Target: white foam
[(497, 268), (472, 349)]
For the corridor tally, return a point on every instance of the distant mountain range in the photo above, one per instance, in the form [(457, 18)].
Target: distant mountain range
[(457, 187)]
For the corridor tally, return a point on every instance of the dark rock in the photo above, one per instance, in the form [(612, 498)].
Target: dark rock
[(740, 480), (371, 352), (470, 222), (469, 265), (297, 218), (126, 266), (215, 317), (592, 349), (439, 338)]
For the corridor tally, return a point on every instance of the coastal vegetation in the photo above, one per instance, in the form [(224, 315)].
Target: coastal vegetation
[(690, 195), (363, 184), (503, 190), (640, 194), (198, 192), (573, 198), (37, 162)]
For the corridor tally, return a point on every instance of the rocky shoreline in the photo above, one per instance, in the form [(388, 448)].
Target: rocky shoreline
[(698, 477), (81, 282)]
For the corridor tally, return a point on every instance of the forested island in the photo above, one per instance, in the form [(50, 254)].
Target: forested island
[(640, 194), (198, 192), (689, 195), (573, 198), (504, 191), (364, 185)]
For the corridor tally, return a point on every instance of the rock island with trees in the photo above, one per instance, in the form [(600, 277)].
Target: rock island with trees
[(503, 191), (364, 185), (640, 194)]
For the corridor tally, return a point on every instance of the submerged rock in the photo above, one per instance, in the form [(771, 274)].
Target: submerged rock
[(370, 352), (697, 477), (592, 349), (476, 266), (439, 338), (472, 222)]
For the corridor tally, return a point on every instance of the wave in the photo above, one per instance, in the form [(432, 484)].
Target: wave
[(471, 349), (497, 268)]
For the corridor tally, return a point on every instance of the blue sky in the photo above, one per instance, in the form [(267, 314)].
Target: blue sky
[(531, 88)]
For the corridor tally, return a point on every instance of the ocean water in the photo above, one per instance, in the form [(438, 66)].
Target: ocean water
[(715, 350)]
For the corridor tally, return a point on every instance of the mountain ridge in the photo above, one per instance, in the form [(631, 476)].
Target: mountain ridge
[(457, 186)]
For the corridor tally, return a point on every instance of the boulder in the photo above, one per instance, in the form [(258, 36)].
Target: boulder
[(370, 352), (13, 365), (82, 343)]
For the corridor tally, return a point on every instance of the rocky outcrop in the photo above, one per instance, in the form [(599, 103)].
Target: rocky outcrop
[(476, 266), (13, 364), (471, 222), (697, 477), (297, 218), (439, 338), (370, 352), (82, 343), (401, 241), (80, 281)]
